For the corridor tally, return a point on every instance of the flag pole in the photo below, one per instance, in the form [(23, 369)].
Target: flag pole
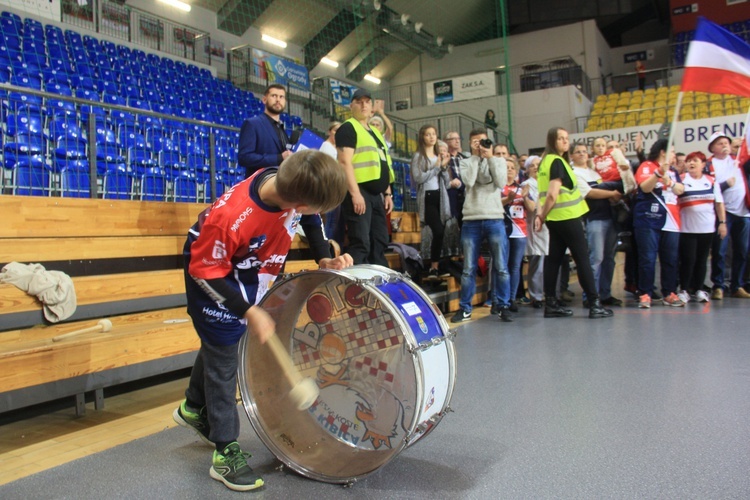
[(673, 127)]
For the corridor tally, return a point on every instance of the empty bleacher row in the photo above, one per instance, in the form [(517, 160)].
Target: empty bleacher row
[(682, 40), (149, 143), (655, 106)]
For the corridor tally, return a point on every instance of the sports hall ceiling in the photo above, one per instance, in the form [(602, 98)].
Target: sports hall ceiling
[(384, 41)]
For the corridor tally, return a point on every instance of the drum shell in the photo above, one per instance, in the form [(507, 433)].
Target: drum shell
[(349, 432)]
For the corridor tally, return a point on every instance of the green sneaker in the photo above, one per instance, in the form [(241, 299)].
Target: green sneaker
[(191, 420), (230, 467)]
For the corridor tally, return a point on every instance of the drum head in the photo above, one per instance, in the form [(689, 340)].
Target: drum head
[(347, 336)]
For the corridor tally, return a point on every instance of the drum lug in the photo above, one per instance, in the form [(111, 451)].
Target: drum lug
[(451, 334), (350, 483)]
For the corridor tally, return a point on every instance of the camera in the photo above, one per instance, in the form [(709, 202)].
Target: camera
[(485, 143)]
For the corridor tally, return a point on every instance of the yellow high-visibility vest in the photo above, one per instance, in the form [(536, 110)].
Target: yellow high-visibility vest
[(366, 158), (570, 204)]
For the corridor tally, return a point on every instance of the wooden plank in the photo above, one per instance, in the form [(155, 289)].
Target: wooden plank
[(409, 221), (134, 339), (104, 247), (100, 289), (38, 216), (407, 238)]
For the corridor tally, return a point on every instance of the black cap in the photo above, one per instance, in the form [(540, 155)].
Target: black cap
[(360, 93)]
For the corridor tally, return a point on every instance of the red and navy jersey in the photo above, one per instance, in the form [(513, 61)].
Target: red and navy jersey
[(242, 239), (606, 166)]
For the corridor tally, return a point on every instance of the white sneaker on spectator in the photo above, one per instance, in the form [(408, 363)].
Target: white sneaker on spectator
[(684, 296), (702, 296)]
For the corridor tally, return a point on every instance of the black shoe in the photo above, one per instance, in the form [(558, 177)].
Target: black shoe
[(433, 273), (231, 468), (461, 315), (611, 301), (504, 315), (537, 304), (597, 311), (495, 309), (554, 309), (513, 307)]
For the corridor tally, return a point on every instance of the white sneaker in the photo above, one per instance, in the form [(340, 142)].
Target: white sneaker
[(701, 296), (684, 296)]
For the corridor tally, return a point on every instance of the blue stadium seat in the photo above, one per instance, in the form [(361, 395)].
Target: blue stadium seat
[(27, 122), (29, 174), (185, 187), (118, 181), (75, 180), (153, 185)]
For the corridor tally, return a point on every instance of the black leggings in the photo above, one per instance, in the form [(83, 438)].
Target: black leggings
[(434, 221), (568, 234), (694, 250)]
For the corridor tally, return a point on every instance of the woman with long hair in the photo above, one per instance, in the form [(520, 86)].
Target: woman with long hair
[(562, 210), (429, 174)]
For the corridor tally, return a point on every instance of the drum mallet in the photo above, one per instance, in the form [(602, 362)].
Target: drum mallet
[(304, 390), (104, 325)]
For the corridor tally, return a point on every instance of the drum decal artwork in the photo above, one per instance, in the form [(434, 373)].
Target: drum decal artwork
[(351, 342)]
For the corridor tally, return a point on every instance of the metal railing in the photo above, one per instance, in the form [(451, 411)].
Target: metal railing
[(88, 126), (123, 22)]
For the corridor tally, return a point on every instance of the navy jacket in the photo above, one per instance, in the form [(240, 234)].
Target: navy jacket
[(260, 146)]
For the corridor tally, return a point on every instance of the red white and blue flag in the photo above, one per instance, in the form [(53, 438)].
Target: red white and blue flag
[(718, 62)]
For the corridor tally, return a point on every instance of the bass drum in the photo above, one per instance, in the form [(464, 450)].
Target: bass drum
[(381, 354)]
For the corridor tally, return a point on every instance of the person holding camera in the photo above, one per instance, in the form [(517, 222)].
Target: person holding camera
[(429, 174), (484, 177)]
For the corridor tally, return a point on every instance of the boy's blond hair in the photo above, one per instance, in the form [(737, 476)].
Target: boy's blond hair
[(312, 178)]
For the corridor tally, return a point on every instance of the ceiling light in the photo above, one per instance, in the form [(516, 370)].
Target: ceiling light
[(178, 5), (372, 79), (329, 62), (377, 4), (418, 27), (439, 40), (274, 41), (405, 19)]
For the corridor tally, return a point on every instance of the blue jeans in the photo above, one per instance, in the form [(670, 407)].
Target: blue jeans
[(738, 229), (517, 248), (473, 232), (665, 244), (602, 240)]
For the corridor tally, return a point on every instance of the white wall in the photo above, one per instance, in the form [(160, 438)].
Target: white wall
[(554, 43)]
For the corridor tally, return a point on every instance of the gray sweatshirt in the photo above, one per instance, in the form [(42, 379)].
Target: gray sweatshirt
[(484, 180)]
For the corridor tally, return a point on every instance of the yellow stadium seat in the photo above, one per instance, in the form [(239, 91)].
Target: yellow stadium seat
[(606, 122), (649, 92), (674, 88), (599, 105), (609, 110), (637, 93), (660, 104), (702, 116), (631, 122), (634, 106), (688, 99), (701, 108), (732, 108), (659, 115), (625, 93), (648, 102), (687, 116), (645, 115), (636, 99), (701, 97), (618, 119), (621, 109), (716, 113), (715, 98), (601, 98)]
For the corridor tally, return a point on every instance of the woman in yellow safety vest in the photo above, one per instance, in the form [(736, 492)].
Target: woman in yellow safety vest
[(562, 210)]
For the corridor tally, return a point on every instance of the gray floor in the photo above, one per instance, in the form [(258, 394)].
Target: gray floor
[(650, 404)]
